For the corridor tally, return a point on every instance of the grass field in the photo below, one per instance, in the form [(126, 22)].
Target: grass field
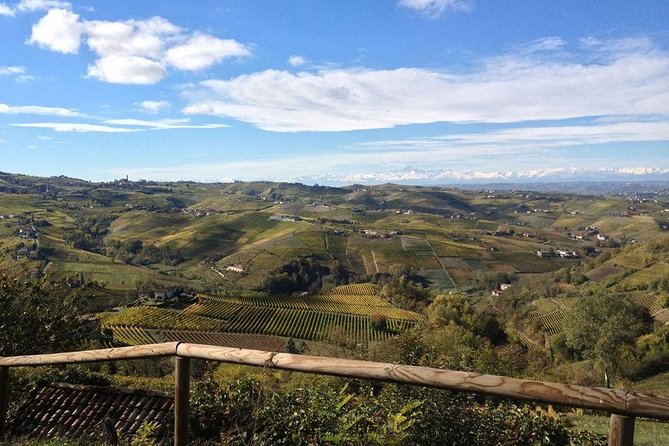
[(646, 433)]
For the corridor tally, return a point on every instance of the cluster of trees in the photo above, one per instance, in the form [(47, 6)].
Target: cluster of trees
[(616, 334), (89, 232), (140, 253), (305, 274), (403, 287)]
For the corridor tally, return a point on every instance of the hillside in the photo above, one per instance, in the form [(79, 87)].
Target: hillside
[(192, 232)]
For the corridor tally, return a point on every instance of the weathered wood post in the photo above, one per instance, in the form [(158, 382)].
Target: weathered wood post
[(4, 400), (621, 430), (181, 397)]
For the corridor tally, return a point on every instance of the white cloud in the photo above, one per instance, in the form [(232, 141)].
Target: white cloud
[(44, 138), (435, 8), (19, 73), (11, 70), (42, 5), (513, 88), (6, 10), (37, 110), (163, 124), (109, 126), (69, 127), (122, 69), (540, 137), (202, 51), (296, 61), (145, 38), (153, 106), (133, 51), (59, 30)]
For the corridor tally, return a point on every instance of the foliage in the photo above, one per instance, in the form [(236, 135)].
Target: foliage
[(142, 253), (604, 328), (90, 231), (303, 274), (244, 412), (40, 317)]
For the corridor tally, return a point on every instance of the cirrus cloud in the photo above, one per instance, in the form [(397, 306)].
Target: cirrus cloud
[(37, 110), (74, 127), (435, 8)]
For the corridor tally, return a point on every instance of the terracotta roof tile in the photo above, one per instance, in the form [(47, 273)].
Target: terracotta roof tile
[(76, 410)]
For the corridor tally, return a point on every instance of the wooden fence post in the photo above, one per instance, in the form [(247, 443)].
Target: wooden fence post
[(181, 397), (621, 430), (4, 400)]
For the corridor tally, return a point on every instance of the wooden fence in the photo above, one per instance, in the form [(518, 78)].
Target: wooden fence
[(623, 406)]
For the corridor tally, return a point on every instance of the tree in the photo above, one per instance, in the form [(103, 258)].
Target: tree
[(40, 317), (604, 328)]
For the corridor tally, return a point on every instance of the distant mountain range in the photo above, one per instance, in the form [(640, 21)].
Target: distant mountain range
[(410, 175)]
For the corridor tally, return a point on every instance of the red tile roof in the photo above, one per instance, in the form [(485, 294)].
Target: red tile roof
[(69, 410)]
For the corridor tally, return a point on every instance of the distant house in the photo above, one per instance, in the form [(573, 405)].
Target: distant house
[(496, 293), (505, 286), (568, 254), (235, 268), (602, 237), (162, 295), (285, 218)]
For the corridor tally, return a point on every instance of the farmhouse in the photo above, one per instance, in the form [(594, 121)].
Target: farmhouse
[(235, 268), (285, 218), (568, 254)]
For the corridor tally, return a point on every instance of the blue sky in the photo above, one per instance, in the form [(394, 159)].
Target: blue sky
[(335, 92)]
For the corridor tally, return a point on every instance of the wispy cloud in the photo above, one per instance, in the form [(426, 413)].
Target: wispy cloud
[(532, 83), (126, 125), (538, 137), (72, 127), (163, 124), (296, 61), (6, 10), (37, 110), (12, 70), (153, 106), (435, 8), (42, 5)]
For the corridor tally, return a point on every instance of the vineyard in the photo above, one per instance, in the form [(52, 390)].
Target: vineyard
[(137, 336), (551, 317), (264, 320)]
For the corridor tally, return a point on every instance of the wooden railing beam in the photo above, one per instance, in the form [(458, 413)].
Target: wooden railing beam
[(623, 406), (552, 393), (101, 355)]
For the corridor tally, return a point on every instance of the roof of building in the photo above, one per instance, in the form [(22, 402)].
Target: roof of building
[(68, 410)]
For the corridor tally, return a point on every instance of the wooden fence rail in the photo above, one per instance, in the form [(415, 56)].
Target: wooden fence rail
[(623, 406)]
